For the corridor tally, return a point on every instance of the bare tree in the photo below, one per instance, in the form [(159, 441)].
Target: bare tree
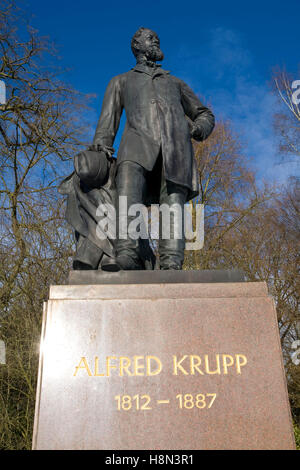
[(228, 192), (39, 131), (41, 127)]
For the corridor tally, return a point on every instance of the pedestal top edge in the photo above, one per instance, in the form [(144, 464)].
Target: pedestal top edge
[(157, 291)]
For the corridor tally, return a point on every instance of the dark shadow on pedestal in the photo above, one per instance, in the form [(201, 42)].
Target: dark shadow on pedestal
[(155, 277)]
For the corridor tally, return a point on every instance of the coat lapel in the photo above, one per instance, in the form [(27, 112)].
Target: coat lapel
[(142, 68)]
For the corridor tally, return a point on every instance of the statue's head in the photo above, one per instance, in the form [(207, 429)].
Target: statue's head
[(145, 44)]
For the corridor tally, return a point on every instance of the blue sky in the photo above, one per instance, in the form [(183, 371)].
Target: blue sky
[(225, 50)]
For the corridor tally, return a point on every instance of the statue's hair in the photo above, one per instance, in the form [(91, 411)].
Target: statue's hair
[(135, 40)]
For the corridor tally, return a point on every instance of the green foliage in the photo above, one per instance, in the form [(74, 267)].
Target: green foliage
[(297, 436), (20, 332)]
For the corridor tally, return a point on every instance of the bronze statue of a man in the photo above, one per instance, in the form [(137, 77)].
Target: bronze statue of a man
[(155, 162)]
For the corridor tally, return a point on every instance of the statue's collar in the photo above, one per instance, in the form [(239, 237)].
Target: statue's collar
[(157, 70)]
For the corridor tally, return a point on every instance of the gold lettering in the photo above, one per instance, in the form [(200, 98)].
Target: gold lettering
[(109, 366), (194, 365), (148, 365), (125, 363), (97, 368), (241, 361), (152, 365), (138, 366), (177, 365), (218, 370), (227, 364), (85, 366)]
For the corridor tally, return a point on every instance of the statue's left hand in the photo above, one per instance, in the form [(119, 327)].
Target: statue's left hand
[(196, 132)]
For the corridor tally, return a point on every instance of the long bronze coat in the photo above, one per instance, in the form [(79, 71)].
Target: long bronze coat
[(156, 105)]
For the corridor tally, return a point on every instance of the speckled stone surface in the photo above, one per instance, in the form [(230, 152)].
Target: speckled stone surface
[(130, 367)]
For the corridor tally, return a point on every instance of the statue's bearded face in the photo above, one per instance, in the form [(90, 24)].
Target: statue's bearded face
[(149, 45)]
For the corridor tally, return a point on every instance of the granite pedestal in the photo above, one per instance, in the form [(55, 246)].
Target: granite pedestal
[(167, 365)]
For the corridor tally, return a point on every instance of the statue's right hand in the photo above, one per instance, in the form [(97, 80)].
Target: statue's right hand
[(94, 147), (109, 151)]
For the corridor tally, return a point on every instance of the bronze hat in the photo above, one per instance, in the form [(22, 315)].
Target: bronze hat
[(91, 167)]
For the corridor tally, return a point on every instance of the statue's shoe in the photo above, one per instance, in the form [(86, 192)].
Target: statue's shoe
[(81, 266), (128, 264), (170, 266), (109, 264)]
